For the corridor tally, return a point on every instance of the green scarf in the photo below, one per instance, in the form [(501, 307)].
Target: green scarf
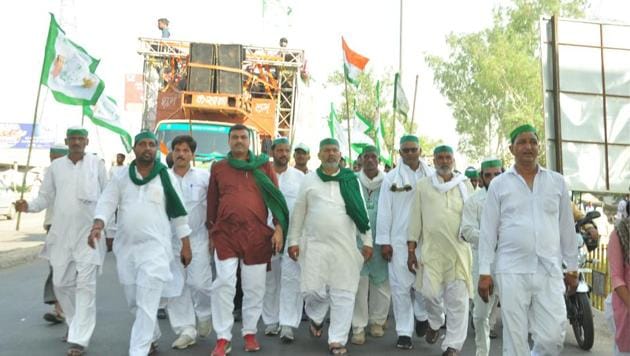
[(274, 200), (351, 193), (174, 206)]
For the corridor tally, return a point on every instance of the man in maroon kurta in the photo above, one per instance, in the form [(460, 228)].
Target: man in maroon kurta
[(238, 229)]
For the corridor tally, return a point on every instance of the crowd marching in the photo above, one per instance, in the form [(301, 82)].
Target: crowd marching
[(425, 239)]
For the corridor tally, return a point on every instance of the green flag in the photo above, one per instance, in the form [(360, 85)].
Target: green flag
[(380, 131), (105, 114), (359, 127), (401, 105), (68, 69), (337, 131)]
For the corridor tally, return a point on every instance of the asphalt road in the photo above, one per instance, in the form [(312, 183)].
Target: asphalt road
[(24, 332)]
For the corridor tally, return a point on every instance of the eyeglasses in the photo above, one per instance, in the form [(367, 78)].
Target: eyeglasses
[(490, 174), (405, 188), (409, 150)]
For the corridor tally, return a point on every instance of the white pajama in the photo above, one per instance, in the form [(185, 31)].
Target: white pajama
[(483, 319), (75, 288), (224, 289), (371, 304), (271, 301), (181, 314), (454, 296), (290, 294), (534, 302), (143, 302), (340, 302)]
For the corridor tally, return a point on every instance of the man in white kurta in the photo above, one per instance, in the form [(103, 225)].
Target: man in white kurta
[(444, 273), (142, 245), (282, 304), (192, 308), (483, 313), (391, 233), (322, 236), (71, 187), (527, 233)]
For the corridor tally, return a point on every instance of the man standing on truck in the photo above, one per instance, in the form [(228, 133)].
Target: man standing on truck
[(242, 189)]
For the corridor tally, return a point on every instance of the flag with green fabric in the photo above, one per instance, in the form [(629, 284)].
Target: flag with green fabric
[(383, 152), (68, 69), (359, 128), (337, 131), (106, 114), (401, 105)]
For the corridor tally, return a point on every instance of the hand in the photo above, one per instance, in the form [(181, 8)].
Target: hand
[(110, 244), (387, 252), (95, 233), (21, 206), (185, 253), (366, 251), (294, 252), (485, 287), (571, 282), (276, 240), (412, 262)]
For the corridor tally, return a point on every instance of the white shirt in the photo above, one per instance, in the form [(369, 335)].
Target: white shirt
[(471, 217), (115, 169), (144, 230), (527, 228), (71, 191), (392, 220), (289, 182), (194, 189)]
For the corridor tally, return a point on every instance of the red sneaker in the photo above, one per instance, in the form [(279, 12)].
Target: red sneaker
[(222, 348), (251, 344)]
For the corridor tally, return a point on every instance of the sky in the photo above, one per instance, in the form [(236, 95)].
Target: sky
[(109, 30)]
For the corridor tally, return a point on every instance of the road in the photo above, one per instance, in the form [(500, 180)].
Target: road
[(24, 332)]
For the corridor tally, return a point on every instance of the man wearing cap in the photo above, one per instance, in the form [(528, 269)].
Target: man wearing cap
[(282, 304), (301, 155), (328, 215), (393, 218), (371, 310), (483, 313), (526, 235), (444, 273), (150, 212), (242, 189), (71, 187), (189, 313), (473, 176)]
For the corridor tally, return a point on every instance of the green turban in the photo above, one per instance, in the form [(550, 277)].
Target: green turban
[(471, 172), (491, 163), (368, 148), (328, 141), (519, 130), (59, 149), (442, 148), (279, 141), (409, 138), (76, 131), (143, 135)]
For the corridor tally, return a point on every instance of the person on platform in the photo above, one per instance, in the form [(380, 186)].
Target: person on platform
[(71, 187), (373, 297), (328, 215), (301, 156), (242, 189), (484, 314), (189, 313), (526, 235), (444, 274), (163, 27), (150, 208), (392, 224)]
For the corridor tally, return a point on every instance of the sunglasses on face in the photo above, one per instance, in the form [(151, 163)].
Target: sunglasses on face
[(490, 174), (409, 150), (395, 188)]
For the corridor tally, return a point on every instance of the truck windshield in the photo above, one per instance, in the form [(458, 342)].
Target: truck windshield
[(212, 139)]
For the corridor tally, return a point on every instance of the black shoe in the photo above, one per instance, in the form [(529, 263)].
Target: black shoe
[(404, 343), (432, 336), (161, 314), (450, 352), (421, 327)]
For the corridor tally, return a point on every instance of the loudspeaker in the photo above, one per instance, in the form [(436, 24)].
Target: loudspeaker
[(230, 56), (201, 79)]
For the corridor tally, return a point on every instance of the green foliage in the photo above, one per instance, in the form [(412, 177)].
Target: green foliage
[(492, 78)]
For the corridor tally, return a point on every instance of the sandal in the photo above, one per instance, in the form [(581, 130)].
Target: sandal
[(154, 348), (315, 329), (75, 350), (337, 349)]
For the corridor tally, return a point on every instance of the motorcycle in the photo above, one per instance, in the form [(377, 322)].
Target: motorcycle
[(578, 305)]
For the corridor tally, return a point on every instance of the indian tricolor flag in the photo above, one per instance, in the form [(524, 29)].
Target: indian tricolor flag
[(353, 63)]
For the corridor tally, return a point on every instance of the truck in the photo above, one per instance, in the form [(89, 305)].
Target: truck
[(202, 89)]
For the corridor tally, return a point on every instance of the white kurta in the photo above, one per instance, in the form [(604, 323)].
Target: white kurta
[(71, 191), (329, 256)]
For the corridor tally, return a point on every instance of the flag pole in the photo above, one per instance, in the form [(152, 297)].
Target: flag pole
[(400, 39), (345, 81), (413, 111)]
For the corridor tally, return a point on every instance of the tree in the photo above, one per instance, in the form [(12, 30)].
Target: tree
[(492, 78)]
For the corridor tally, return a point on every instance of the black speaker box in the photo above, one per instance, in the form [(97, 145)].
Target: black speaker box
[(231, 56), (201, 79)]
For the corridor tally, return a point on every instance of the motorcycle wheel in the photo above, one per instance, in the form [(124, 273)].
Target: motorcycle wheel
[(583, 325)]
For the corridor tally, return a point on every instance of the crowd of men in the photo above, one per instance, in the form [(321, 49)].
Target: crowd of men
[(324, 242)]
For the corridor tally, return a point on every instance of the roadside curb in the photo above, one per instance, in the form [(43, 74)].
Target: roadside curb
[(19, 256)]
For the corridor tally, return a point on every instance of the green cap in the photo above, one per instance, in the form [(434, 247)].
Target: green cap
[(471, 172), (58, 149), (369, 148), (519, 130), (303, 147), (143, 135), (409, 138), (442, 148), (279, 141), (328, 141), (76, 131), (491, 163)]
